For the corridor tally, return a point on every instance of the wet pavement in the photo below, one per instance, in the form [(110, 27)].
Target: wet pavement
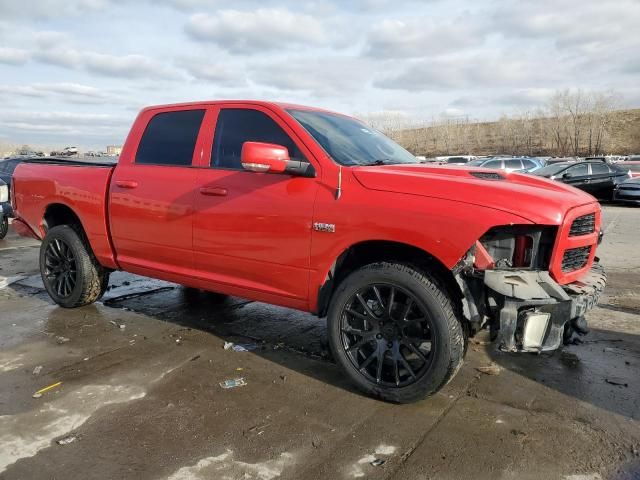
[(140, 393)]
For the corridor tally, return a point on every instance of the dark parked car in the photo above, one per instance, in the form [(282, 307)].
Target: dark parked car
[(628, 192), (633, 167), (597, 178), (5, 209), (7, 166), (524, 164)]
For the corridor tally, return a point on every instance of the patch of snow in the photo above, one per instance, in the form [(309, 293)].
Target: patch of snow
[(224, 467), (23, 435)]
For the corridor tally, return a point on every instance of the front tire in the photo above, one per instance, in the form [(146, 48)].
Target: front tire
[(70, 273), (393, 330), (4, 226)]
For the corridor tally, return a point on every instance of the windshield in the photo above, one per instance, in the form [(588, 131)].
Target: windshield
[(551, 169), (349, 141)]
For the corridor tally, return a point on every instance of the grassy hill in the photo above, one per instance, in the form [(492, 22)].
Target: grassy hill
[(620, 134)]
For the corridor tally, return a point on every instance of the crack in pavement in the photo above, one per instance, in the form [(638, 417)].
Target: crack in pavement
[(409, 452)]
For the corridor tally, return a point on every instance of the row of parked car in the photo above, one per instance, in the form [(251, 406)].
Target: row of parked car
[(606, 178)]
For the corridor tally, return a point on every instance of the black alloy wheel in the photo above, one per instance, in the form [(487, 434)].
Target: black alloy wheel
[(386, 333), (60, 270)]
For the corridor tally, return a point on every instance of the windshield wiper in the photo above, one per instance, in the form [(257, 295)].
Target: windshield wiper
[(380, 161)]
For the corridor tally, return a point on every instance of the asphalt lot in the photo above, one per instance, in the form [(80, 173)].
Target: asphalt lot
[(140, 395)]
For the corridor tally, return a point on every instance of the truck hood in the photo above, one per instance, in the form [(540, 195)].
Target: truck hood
[(535, 199)]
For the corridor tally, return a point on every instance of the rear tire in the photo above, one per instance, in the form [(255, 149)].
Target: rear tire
[(71, 274), (401, 353), (4, 226)]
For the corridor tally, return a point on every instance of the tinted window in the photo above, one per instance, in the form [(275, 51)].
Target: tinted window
[(170, 138), (528, 164), (457, 160), (599, 169), (513, 164), (493, 164), (236, 126), (552, 169), (578, 170)]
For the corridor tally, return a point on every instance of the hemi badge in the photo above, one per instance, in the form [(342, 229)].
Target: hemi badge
[(324, 227)]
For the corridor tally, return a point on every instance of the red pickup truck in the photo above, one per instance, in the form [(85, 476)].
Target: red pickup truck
[(314, 210)]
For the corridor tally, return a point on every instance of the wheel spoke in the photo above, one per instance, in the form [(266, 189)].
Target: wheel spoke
[(392, 296), (51, 251), (359, 315), (363, 302), (407, 366), (67, 285), (353, 331), (381, 351), (59, 281), (57, 248), (368, 360), (407, 308), (378, 296), (360, 343), (417, 351)]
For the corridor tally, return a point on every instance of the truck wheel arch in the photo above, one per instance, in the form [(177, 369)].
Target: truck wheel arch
[(60, 214), (366, 252)]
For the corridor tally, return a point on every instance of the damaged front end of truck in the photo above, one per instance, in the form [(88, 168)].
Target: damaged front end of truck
[(531, 285)]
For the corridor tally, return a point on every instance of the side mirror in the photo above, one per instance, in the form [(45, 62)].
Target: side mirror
[(264, 157), (567, 176)]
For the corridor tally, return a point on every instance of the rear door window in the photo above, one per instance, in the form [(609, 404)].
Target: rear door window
[(170, 138), (599, 169), (581, 170), (236, 126), (513, 164), (493, 164)]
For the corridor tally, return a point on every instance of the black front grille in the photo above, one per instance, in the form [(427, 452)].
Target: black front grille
[(575, 258), (583, 225)]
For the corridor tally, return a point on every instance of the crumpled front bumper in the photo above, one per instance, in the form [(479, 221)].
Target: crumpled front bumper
[(533, 309)]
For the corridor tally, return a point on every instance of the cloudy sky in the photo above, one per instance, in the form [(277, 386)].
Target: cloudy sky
[(77, 71)]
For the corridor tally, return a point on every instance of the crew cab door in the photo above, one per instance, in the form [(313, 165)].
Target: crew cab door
[(252, 231), (152, 193)]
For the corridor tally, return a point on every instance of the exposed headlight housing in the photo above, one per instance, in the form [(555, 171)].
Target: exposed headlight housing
[(520, 246), (4, 194)]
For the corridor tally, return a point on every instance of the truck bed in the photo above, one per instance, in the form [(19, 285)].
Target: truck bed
[(82, 186)]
